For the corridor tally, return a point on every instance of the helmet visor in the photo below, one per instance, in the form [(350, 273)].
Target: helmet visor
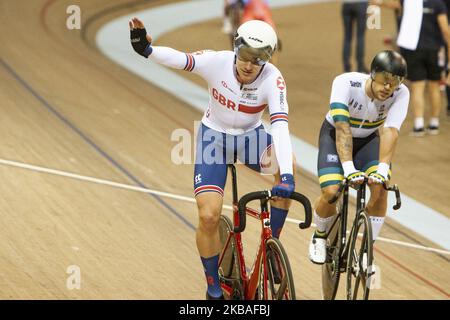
[(385, 78), (258, 56)]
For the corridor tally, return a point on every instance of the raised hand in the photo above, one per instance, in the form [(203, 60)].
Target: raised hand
[(140, 40)]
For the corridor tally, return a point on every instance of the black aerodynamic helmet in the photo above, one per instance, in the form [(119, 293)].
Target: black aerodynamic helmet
[(389, 61)]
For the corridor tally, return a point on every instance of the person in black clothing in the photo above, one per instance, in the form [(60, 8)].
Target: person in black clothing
[(425, 67), (354, 11), (447, 70), (423, 61)]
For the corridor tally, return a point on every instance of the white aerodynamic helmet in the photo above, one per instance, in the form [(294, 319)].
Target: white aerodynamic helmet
[(255, 41)]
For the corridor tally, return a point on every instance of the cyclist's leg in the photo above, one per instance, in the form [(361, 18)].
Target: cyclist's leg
[(366, 159), (330, 175), (207, 238), (256, 152), (376, 208), (209, 181)]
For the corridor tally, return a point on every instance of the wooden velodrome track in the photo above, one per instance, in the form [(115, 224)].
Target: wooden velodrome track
[(65, 106)]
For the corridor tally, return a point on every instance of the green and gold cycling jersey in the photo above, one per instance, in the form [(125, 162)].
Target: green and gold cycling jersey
[(349, 102)]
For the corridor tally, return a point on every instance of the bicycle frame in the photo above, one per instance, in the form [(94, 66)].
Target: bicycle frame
[(360, 206), (337, 262), (271, 258), (251, 280)]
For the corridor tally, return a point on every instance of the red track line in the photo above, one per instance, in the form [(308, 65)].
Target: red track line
[(43, 14), (414, 274)]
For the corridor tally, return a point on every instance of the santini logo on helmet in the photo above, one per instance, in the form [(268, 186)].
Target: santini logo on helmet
[(255, 41), (388, 67)]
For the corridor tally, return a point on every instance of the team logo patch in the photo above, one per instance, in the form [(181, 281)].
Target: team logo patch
[(280, 83), (332, 158)]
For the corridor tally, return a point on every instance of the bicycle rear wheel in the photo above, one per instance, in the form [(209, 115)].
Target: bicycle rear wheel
[(279, 273), (229, 267), (331, 268), (359, 260)]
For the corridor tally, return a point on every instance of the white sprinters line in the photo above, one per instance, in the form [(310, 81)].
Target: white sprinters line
[(93, 180), (412, 245), (407, 244), (171, 196)]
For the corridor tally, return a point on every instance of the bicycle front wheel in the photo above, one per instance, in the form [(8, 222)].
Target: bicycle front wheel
[(359, 259), (229, 265), (279, 273)]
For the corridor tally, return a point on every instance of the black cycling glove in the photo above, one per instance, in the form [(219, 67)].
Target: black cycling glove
[(140, 43)]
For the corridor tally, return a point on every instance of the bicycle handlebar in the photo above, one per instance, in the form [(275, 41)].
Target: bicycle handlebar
[(242, 204), (398, 200), (267, 194), (393, 188)]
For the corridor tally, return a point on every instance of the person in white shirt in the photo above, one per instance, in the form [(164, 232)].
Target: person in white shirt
[(424, 30), (241, 84), (358, 138)]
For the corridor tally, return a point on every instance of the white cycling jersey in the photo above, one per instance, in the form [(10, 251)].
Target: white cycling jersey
[(236, 108), (349, 102)]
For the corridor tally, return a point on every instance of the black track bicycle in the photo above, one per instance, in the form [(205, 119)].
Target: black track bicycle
[(353, 255)]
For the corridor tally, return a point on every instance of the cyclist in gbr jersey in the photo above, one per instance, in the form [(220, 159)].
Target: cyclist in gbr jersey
[(241, 85), (358, 139)]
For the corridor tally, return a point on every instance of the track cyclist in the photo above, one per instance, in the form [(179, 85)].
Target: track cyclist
[(241, 84), (357, 140)]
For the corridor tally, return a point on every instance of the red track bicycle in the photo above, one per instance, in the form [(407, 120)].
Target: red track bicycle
[(271, 274)]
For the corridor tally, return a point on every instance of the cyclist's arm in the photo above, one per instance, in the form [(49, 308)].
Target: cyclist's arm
[(394, 120), (278, 108), (341, 117), (193, 62), (442, 20), (388, 141), (344, 141)]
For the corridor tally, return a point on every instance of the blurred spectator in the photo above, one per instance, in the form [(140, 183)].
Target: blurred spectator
[(257, 10), (354, 11), (260, 10), (423, 31), (447, 87), (231, 16), (390, 40)]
